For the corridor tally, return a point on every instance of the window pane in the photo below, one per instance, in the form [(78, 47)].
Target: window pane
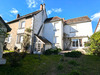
[(76, 43), (80, 42), (73, 43), (23, 24), (21, 39)]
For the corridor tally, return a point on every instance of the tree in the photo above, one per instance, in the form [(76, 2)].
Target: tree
[(94, 43), (26, 40)]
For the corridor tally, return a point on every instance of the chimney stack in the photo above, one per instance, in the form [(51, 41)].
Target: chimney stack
[(18, 15), (63, 19), (41, 7), (44, 6)]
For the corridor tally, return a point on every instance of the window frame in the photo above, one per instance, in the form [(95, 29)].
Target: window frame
[(20, 25)]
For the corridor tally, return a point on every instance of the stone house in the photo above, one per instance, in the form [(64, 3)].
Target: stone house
[(49, 32)]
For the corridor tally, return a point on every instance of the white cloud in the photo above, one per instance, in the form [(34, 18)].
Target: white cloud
[(31, 3), (95, 17), (14, 11), (57, 10), (6, 21), (49, 12), (0, 15)]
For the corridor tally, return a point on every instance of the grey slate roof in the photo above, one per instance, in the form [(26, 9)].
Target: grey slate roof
[(7, 26), (25, 16), (43, 39)]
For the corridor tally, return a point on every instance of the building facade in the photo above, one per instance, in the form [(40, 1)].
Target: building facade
[(49, 32), (97, 27)]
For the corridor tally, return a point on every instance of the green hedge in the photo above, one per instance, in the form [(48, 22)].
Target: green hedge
[(74, 54)]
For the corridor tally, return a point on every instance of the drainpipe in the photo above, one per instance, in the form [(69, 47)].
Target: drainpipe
[(32, 35)]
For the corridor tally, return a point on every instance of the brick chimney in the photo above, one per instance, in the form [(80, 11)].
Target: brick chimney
[(41, 7), (44, 6), (18, 15)]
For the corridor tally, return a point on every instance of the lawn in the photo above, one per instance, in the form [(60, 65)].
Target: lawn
[(53, 65)]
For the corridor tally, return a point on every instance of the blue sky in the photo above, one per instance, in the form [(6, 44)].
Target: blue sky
[(63, 8)]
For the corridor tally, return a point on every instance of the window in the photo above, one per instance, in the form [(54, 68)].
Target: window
[(77, 42), (56, 26), (19, 38), (22, 24), (8, 38), (56, 39)]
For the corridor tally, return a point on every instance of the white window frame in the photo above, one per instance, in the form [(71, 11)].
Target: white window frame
[(21, 25), (20, 38), (79, 44)]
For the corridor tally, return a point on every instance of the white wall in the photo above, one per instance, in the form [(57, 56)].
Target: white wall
[(81, 29), (47, 46), (78, 31), (49, 33)]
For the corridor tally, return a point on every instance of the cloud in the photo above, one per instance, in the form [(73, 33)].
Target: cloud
[(57, 10), (14, 11), (31, 3), (6, 21), (49, 12), (0, 15), (95, 17)]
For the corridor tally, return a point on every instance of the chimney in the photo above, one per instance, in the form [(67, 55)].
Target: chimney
[(41, 7), (44, 6), (18, 15), (63, 19)]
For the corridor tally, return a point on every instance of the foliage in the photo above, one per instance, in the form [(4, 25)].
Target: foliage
[(72, 62), (52, 51), (15, 58), (74, 72), (94, 43), (26, 39), (31, 65), (74, 54), (60, 67)]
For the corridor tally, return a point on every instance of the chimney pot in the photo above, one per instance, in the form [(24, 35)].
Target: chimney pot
[(41, 7), (18, 15), (44, 6)]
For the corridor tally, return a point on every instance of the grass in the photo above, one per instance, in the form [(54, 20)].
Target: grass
[(8, 51), (48, 65)]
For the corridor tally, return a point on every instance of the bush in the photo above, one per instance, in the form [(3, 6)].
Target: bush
[(15, 59), (60, 67), (74, 63), (52, 51), (74, 72), (74, 54), (95, 43)]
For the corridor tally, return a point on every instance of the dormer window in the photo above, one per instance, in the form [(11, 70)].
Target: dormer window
[(22, 25)]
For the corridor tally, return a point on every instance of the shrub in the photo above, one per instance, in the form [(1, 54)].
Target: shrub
[(52, 51), (74, 72), (15, 59), (74, 54), (95, 43), (74, 63), (60, 67)]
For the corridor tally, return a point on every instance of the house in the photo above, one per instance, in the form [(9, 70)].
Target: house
[(49, 32), (97, 27)]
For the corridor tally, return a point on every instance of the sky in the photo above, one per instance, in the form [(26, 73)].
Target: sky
[(67, 9)]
